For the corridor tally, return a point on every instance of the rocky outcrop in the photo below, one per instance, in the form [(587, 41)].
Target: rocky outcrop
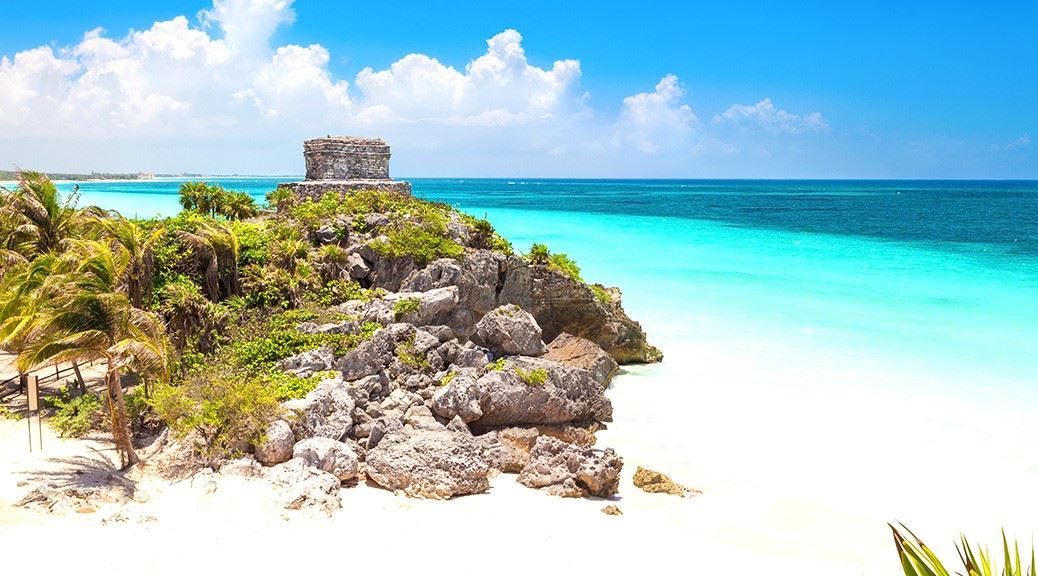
[(435, 464), (567, 470), (562, 304), (504, 398), (277, 443), (509, 330), (582, 353)]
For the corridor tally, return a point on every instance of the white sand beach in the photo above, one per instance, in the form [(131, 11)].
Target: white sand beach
[(799, 476)]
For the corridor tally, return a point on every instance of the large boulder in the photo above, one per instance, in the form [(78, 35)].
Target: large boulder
[(327, 411), (582, 353), (435, 464), (528, 391), (302, 485), (508, 449), (276, 445), (329, 455), (510, 330), (568, 470), (432, 305)]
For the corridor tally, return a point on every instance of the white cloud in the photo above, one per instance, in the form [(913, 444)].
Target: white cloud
[(652, 120), (218, 96), (765, 115), (500, 87)]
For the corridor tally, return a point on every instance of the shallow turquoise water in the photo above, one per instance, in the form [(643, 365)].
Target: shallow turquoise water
[(934, 278)]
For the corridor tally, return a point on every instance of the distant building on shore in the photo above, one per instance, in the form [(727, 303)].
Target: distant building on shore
[(145, 175), (345, 163)]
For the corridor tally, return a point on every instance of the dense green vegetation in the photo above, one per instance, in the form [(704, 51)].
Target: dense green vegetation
[(215, 201)]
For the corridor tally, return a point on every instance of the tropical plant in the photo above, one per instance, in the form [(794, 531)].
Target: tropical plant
[(39, 218), (134, 251), (190, 314), (237, 206), (80, 316), (332, 259), (917, 559), (216, 247), (538, 254), (215, 201)]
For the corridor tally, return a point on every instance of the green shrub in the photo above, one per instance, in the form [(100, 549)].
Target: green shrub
[(497, 365), (342, 290), (289, 319), (288, 386), (74, 416), (422, 242), (253, 243), (228, 412), (535, 377), (405, 306), (538, 254), (7, 414), (566, 265), (281, 198), (601, 294)]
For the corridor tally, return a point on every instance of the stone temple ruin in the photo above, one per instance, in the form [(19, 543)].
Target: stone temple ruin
[(346, 163)]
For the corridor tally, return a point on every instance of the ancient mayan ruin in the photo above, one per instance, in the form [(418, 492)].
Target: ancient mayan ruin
[(345, 163)]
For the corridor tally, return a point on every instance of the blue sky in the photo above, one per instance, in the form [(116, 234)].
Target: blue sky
[(806, 89)]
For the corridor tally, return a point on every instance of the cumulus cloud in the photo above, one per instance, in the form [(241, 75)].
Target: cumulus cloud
[(179, 95), (765, 115), (1021, 141), (652, 120)]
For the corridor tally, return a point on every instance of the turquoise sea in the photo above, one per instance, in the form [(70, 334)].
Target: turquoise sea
[(935, 276)]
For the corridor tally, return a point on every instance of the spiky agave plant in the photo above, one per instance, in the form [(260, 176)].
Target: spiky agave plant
[(917, 559)]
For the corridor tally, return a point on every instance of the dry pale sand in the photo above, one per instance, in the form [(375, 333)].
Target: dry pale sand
[(801, 466)]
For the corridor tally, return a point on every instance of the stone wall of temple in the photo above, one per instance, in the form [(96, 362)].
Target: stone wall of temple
[(346, 158)]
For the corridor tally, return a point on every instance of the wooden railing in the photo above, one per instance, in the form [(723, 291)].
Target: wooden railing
[(12, 386)]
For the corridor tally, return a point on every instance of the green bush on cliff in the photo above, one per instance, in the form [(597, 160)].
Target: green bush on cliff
[(601, 294), (423, 243), (566, 265)]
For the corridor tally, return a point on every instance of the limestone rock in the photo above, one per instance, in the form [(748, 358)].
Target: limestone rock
[(580, 352), (460, 398), (326, 235), (246, 467), (370, 357), (562, 304), (302, 485), (567, 470), (327, 411), (306, 363), (277, 443), (357, 267), (508, 449), (505, 399), (510, 330), (612, 510), (433, 305), (656, 482), (328, 455), (435, 464)]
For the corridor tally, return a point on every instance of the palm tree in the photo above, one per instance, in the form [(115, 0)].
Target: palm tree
[(188, 312), (216, 246), (41, 218), (80, 316), (191, 194), (134, 255), (238, 206)]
